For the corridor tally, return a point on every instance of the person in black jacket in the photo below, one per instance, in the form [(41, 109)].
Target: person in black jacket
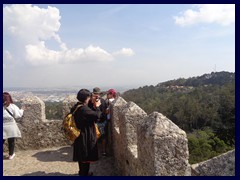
[(102, 124), (85, 148)]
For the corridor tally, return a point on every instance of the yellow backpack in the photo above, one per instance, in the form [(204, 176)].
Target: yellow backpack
[(69, 126)]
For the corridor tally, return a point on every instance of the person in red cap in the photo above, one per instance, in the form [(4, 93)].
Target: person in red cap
[(111, 96)]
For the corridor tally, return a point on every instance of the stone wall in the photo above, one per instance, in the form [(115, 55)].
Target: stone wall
[(68, 102), (142, 145), (147, 145), (223, 165), (37, 131)]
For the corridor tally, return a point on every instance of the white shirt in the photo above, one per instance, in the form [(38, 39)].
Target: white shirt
[(10, 128), (110, 101)]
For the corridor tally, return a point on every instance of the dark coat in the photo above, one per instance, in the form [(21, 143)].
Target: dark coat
[(102, 123), (85, 146), (102, 108)]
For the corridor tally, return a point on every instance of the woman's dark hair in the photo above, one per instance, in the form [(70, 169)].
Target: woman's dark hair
[(7, 99), (83, 94)]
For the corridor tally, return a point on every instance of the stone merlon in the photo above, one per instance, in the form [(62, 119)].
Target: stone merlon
[(142, 145)]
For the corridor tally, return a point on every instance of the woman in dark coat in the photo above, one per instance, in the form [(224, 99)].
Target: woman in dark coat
[(85, 148)]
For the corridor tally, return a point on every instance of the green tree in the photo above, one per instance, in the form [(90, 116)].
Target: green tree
[(204, 144)]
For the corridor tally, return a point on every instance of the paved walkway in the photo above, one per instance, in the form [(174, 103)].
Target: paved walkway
[(52, 162)]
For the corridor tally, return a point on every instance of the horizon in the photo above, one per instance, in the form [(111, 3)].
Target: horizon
[(109, 45), (76, 88)]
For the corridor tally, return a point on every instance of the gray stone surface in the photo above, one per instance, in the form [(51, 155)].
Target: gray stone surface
[(115, 124), (38, 132), (55, 161), (141, 144), (223, 165), (130, 116), (163, 147), (68, 102)]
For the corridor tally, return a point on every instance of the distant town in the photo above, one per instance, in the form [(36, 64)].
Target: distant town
[(48, 94)]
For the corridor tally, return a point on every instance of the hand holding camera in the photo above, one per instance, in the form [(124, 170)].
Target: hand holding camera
[(97, 102), (107, 111)]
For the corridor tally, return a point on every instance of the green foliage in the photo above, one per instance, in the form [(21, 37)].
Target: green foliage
[(54, 110), (215, 78), (203, 145), (226, 127), (207, 101)]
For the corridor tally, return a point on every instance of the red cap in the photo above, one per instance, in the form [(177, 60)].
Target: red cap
[(112, 91)]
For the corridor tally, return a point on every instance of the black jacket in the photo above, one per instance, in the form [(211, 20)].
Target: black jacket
[(102, 108), (85, 146)]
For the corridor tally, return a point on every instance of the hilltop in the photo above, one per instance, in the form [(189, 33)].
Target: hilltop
[(214, 78), (203, 106)]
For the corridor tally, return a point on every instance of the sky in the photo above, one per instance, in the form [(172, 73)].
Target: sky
[(114, 45)]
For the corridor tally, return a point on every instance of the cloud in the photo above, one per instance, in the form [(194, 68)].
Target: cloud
[(124, 52), (31, 23), (7, 58), (33, 26), (40, 55), (7, 55), (223, 14)]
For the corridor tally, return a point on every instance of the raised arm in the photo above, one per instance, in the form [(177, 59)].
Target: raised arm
[(17, 113)]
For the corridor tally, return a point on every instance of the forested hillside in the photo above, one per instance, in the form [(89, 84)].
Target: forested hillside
[(203, 106)]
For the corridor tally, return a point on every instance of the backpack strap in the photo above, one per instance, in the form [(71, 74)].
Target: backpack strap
[(80, 105), (9, 112)]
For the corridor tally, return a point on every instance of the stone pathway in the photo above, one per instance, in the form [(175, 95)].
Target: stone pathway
[(53, 162)]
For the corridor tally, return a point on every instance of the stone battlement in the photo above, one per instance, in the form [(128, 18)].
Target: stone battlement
[(142, 145)]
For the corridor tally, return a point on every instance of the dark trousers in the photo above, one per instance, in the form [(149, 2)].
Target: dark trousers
[(11, 145), (83, 168)]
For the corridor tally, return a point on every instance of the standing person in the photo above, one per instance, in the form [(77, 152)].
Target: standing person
[(85, 148), (102, 124), (111, 96), (10, 128)]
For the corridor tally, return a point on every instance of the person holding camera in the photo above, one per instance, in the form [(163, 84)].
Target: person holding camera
[(102, 124), (10, 128), (85, 148)]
